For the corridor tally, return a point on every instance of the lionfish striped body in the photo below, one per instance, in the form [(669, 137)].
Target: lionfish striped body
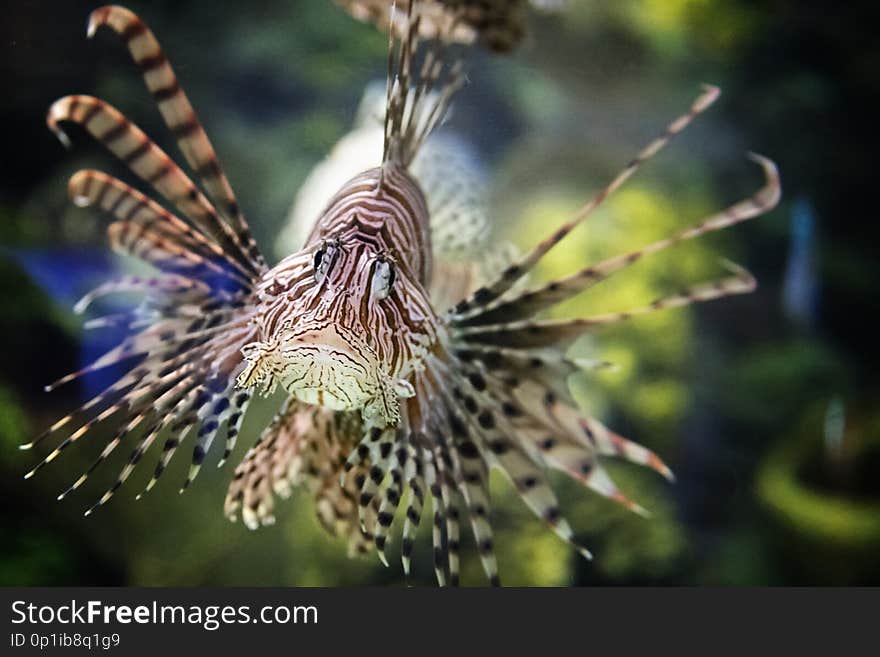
[(393, 400)]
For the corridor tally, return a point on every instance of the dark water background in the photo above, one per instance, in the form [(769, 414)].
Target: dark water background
[(737, 396)]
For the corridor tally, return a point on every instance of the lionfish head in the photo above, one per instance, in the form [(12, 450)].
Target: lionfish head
[(345, 322)]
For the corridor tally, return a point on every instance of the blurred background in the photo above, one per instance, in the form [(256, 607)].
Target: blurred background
[(765, 406)]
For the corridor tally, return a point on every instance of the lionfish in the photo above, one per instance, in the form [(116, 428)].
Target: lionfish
[(393, 400)]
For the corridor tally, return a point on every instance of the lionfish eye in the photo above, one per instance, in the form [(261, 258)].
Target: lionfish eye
[(324, 258), (383, 279)]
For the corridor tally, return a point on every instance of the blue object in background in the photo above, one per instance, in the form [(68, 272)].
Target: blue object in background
[(65, 275), (800, 288)]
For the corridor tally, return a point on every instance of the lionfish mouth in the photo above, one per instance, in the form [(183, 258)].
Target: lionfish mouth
[(321, 374)]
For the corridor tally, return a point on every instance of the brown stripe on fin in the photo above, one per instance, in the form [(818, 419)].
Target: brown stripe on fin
[(123, 138), (530, 302), (524, 265), (179, 115)]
